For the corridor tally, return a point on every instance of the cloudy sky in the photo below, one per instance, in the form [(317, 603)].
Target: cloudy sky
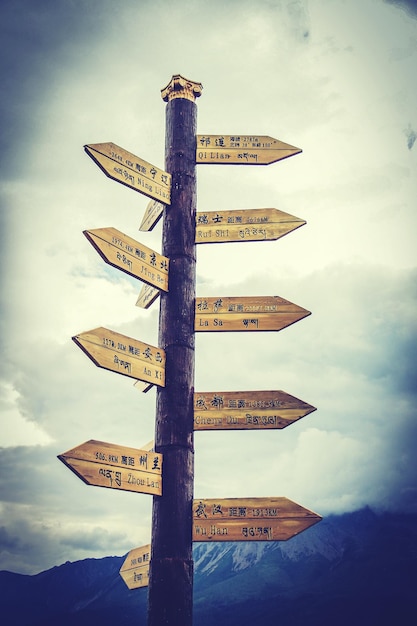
[(334, 78)]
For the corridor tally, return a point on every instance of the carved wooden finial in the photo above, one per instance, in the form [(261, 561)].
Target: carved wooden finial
[(180, 87)]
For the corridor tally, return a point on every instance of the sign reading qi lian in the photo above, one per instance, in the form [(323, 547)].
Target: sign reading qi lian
[(242, 149)]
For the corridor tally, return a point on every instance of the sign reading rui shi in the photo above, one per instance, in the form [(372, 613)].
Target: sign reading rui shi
[(244, 225), (130, 256), (123, 355), (242, 149), (131, 170), (116, 467), (250, 519), (247, 410), (243, 313)]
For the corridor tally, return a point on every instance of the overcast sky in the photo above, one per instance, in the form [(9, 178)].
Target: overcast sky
[(334, 78)]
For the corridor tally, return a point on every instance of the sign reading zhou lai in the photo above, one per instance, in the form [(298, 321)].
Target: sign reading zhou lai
[(108, 465)]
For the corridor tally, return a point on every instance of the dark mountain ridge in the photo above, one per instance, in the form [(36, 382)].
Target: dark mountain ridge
[(357, 568)]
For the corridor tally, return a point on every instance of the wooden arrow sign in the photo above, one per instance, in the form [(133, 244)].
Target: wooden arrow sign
[(242, 149), (107, 465), (130, 256), (241, 313), (135, 568), (132, 171), (244, 225), (250, 519), (147, 296), (247, 410), (153, 214), (123, 355)]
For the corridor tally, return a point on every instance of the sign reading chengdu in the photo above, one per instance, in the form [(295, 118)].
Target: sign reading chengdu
[(247, 410)]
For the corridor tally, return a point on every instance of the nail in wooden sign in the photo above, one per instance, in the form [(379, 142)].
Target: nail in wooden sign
[(132, 171), (246, 314), (116, 467), (123, 355)]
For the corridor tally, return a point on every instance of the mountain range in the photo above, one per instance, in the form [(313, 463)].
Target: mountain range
[(358, 569)]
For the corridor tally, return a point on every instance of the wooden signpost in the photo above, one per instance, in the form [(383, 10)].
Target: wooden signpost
[(242, 149), (247, 410), (131, 170), (130, 256), (123, 355), (244, 225), (177, 519), (135, 568), (107, 465), (247, 314), (250, 519)]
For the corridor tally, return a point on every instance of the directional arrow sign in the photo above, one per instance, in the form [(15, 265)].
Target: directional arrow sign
[(147, 296), (132, 171), (130, 256), (246, 313), (153, 214), (250, 519), (135, 568), (244, 225), (247, 410), (242, 149), (116, 467), (123, 355)]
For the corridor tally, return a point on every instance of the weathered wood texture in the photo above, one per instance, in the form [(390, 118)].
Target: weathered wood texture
[(171, 572)]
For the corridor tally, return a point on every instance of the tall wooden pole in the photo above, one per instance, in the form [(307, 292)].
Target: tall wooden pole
[(170, 593)]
